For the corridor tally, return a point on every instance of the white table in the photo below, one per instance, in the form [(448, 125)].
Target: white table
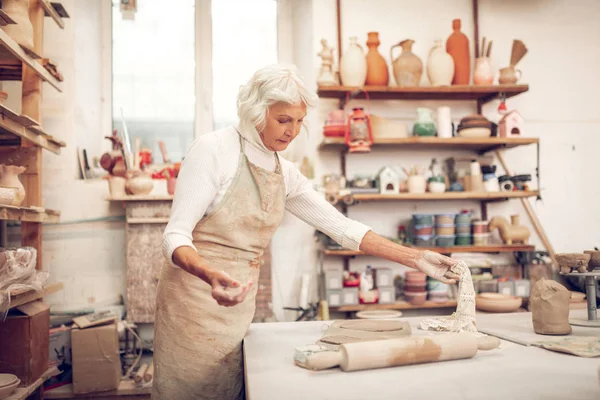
[(511, 372)]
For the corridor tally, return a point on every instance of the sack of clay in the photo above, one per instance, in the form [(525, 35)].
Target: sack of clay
[(549, 301)]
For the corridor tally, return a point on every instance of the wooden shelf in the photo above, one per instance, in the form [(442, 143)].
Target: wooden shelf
[(141, 198), (14, 127), (10, 51), (126, 388), (479, 145), (23, 392), (482, 196), (444, 250), (29, 214), (56, 11), (401, 305), (20, 297), (455, 92)]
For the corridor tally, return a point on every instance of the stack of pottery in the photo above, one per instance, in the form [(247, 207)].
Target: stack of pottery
[(415, 287), (423, 230), (481, 234), (8, 384), (438, 291), (463, 229), (445, 230), (335, 124), (474, 125)]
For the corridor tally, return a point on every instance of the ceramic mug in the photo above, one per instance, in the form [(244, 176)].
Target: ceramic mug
[(509, 75)]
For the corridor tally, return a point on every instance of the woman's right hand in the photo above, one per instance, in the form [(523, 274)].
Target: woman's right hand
[(222, 283)]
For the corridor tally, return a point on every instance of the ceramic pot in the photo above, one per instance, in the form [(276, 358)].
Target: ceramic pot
[(22, 31), (496, 302), (139, 185), (509, 76), (116, 186), (457, 46), (483, 74), (9, 177), (408, 67), (353, 65), (424, 124), (417, 184), (377, 69), (440, 66)]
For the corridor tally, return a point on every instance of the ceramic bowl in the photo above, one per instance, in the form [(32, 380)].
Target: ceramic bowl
[(463, 229), (416, 298), (445, 241), (480, 226), (378, 314), (445, 219), (422, 219), (497, 303), (481, 239), (577, 297), (6, 391), (437, 187), (463, 218), (445, 230), (415, 277), (424, 240), (423, 230), (463, 240), (7, 379), (475, 132)]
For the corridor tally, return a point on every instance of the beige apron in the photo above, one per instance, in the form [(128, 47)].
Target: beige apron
[(197, 343)]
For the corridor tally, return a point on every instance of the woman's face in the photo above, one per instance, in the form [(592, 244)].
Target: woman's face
[(283, 125)]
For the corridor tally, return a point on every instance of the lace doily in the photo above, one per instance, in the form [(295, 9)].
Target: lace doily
[(463, 320)]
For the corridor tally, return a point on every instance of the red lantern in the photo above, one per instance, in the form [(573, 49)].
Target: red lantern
[(359, 135)]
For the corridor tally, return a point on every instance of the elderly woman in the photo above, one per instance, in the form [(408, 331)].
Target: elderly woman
[(232, 191)]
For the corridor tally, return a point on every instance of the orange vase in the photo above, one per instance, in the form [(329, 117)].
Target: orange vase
[(457, 46), (377, 69)]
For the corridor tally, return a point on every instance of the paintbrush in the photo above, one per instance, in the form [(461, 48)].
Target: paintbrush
[(489, 49), (483, 48), (518, 52)]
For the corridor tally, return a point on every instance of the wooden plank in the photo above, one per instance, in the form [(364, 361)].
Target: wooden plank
[(23, 392), (401, 305), (20, 297), (127, 390), (29, 215), (5, 19), (486, 196), (148, 220), (454, 92), (444, 250), (475, 144), (50, 11), (18, 53), (9, 125)]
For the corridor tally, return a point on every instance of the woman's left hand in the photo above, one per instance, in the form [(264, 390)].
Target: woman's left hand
[(436, 266)]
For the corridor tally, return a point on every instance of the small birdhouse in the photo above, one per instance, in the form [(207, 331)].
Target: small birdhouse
[(511, 125), (388, 181)]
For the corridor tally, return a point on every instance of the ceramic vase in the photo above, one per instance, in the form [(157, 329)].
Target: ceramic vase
[(440, 66), (408, 67), (353, 65), (424, 124), (171, 183), (22, 31), (483, 75), (457, 46), (9, 177), (377, 69), (139, 185)]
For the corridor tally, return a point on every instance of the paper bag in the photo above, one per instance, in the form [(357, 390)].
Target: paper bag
[(550, 308)]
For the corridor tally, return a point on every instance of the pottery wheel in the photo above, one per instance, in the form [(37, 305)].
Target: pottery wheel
[(373, 326)]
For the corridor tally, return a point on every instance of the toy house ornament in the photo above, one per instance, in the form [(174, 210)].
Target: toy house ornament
[(359, 134), (511, 125), (388, 181)]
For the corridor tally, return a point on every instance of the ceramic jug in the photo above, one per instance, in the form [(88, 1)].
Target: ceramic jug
[(377, 69), (483, 74), (457, 46), (408, 67), (509, 76), (22, 31), (353, 65), (440, 66), (9, 177), (424, 124)]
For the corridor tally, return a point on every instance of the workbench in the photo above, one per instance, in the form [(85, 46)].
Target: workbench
[(512, 372)]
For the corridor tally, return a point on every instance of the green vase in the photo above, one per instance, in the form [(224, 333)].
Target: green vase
[(424, 125)]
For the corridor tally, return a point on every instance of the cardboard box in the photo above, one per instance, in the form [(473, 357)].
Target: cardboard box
[(24, 341), (60, 357), (96, 361)]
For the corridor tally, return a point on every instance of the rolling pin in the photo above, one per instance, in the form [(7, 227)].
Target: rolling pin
[(149, 372), (403, 351), (139, 376)]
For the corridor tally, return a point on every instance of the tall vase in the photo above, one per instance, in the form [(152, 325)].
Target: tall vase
[(22, 31), (440, 66), (9, 177), (408, 67), (377, 69), (457, 46), (353, 65)]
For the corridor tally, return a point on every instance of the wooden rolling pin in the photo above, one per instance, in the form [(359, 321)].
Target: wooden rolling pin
[(403, 351), (139, 376), (149, 372)]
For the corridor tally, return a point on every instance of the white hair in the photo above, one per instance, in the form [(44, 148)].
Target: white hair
[(277, 83)]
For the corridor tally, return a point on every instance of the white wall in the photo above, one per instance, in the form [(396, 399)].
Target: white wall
[(560, 108)]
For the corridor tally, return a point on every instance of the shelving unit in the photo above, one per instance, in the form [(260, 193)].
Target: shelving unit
[(443, 250), (400, 305), (22, 138)]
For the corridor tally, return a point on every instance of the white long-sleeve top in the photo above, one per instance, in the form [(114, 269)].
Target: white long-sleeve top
[(209, 168)]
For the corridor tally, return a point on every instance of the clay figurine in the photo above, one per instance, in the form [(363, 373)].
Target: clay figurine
[(326, 77), (569, 261), (510, 233)]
